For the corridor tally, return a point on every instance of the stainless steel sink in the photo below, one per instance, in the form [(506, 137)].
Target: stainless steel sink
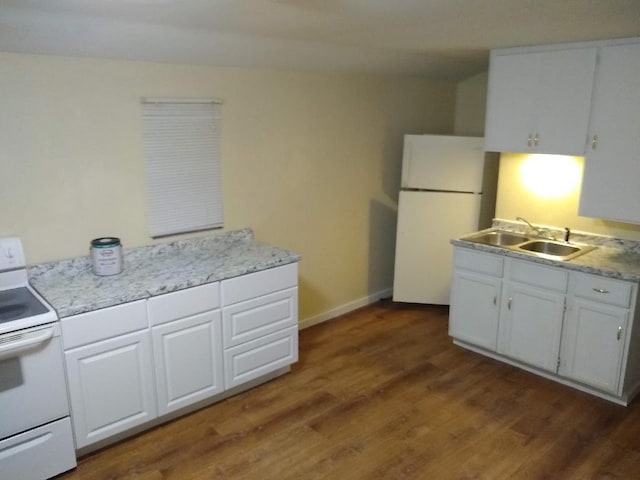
[(531, 246), (549, 248), (499, 238)]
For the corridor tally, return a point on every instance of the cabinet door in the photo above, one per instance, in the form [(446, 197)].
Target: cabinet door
[(612, 160), (593, 343), (188, 360), (111, 386), (531, 324), (511, 102), (539, 101), (473, 316)]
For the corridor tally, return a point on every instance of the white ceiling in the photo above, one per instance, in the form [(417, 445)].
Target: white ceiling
[(446, 39)]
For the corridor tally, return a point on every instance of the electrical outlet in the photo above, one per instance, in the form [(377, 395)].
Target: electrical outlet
[(11, 253)]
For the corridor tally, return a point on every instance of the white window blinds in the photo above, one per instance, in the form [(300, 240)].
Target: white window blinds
[(181, 141)]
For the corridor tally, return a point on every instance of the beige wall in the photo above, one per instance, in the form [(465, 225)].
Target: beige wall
[(515, 199), (471, 102), (310, 161)]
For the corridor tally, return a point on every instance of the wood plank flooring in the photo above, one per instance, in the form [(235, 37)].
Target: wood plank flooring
[(382, 393)]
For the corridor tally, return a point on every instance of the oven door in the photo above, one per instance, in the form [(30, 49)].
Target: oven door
[(32, 383)]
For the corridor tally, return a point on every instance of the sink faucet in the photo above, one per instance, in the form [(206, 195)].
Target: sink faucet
[(542, 232)]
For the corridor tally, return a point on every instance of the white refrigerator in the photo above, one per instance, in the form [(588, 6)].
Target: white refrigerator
[(447, 189)]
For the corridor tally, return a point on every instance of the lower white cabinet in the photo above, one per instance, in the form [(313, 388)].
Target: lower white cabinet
[(531, 313), (187, 346), (595, 331), (188, 360), (130, 364), (110, 382), (260, 323), (475, 298), (571, 326)]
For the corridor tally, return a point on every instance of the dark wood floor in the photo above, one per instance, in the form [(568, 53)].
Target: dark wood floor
[(382, 393)]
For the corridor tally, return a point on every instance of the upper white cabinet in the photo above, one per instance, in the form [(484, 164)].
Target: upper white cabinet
[(612, 163), (538, 101)]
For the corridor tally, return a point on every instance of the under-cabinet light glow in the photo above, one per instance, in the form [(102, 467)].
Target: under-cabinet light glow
[(551, 176)]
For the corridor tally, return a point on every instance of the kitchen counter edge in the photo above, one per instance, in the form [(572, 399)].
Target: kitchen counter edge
[(604, 261)]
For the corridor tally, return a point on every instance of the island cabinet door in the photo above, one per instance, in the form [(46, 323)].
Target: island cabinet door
[(111, 386), (188, 360), (593, 343)]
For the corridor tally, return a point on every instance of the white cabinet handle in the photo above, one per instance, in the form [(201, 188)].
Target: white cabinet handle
[(601, 290), (619, 332)]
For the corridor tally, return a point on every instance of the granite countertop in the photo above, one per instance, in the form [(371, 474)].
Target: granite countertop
[(614, 257), (71, 287)]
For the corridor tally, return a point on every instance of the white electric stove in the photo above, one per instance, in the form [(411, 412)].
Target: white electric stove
[(36, 442)]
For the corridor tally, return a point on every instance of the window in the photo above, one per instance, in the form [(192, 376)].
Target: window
[(182, 160)]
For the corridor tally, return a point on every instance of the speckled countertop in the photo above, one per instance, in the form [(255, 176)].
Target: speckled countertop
[(614, 257), (71, 287)]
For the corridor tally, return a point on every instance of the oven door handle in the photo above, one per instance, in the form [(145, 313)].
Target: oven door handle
[(16, 344)]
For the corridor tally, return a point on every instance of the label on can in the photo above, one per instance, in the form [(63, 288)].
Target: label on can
[(106, 256)]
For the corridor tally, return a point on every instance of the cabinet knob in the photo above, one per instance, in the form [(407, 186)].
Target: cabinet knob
[(594, 142), (619, 332)]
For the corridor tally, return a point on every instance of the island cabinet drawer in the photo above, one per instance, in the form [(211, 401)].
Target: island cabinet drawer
[(601, 289), (542, 276), (260, 316), (254, 285), (183, 303), (260, 357), (102, 324), (480, 262)]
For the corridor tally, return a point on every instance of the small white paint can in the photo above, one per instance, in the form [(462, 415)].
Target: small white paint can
[(106, 256)]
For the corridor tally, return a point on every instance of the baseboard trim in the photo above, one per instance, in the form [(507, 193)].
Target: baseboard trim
[(346, 308)]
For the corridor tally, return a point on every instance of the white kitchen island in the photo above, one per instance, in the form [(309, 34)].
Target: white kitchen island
[(184, 325)]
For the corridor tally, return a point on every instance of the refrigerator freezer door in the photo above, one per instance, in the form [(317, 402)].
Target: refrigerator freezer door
[(440, 162), (426, 223)]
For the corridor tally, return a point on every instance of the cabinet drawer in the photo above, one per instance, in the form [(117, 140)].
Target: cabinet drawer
[(39, 453), (102, 324), (255, 318), (183, 303), (530, 273), (601, 289), (259, 357), (479, 262), (260, 283)]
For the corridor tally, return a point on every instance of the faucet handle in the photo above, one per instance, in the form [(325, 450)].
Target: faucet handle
[(567, 233)]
